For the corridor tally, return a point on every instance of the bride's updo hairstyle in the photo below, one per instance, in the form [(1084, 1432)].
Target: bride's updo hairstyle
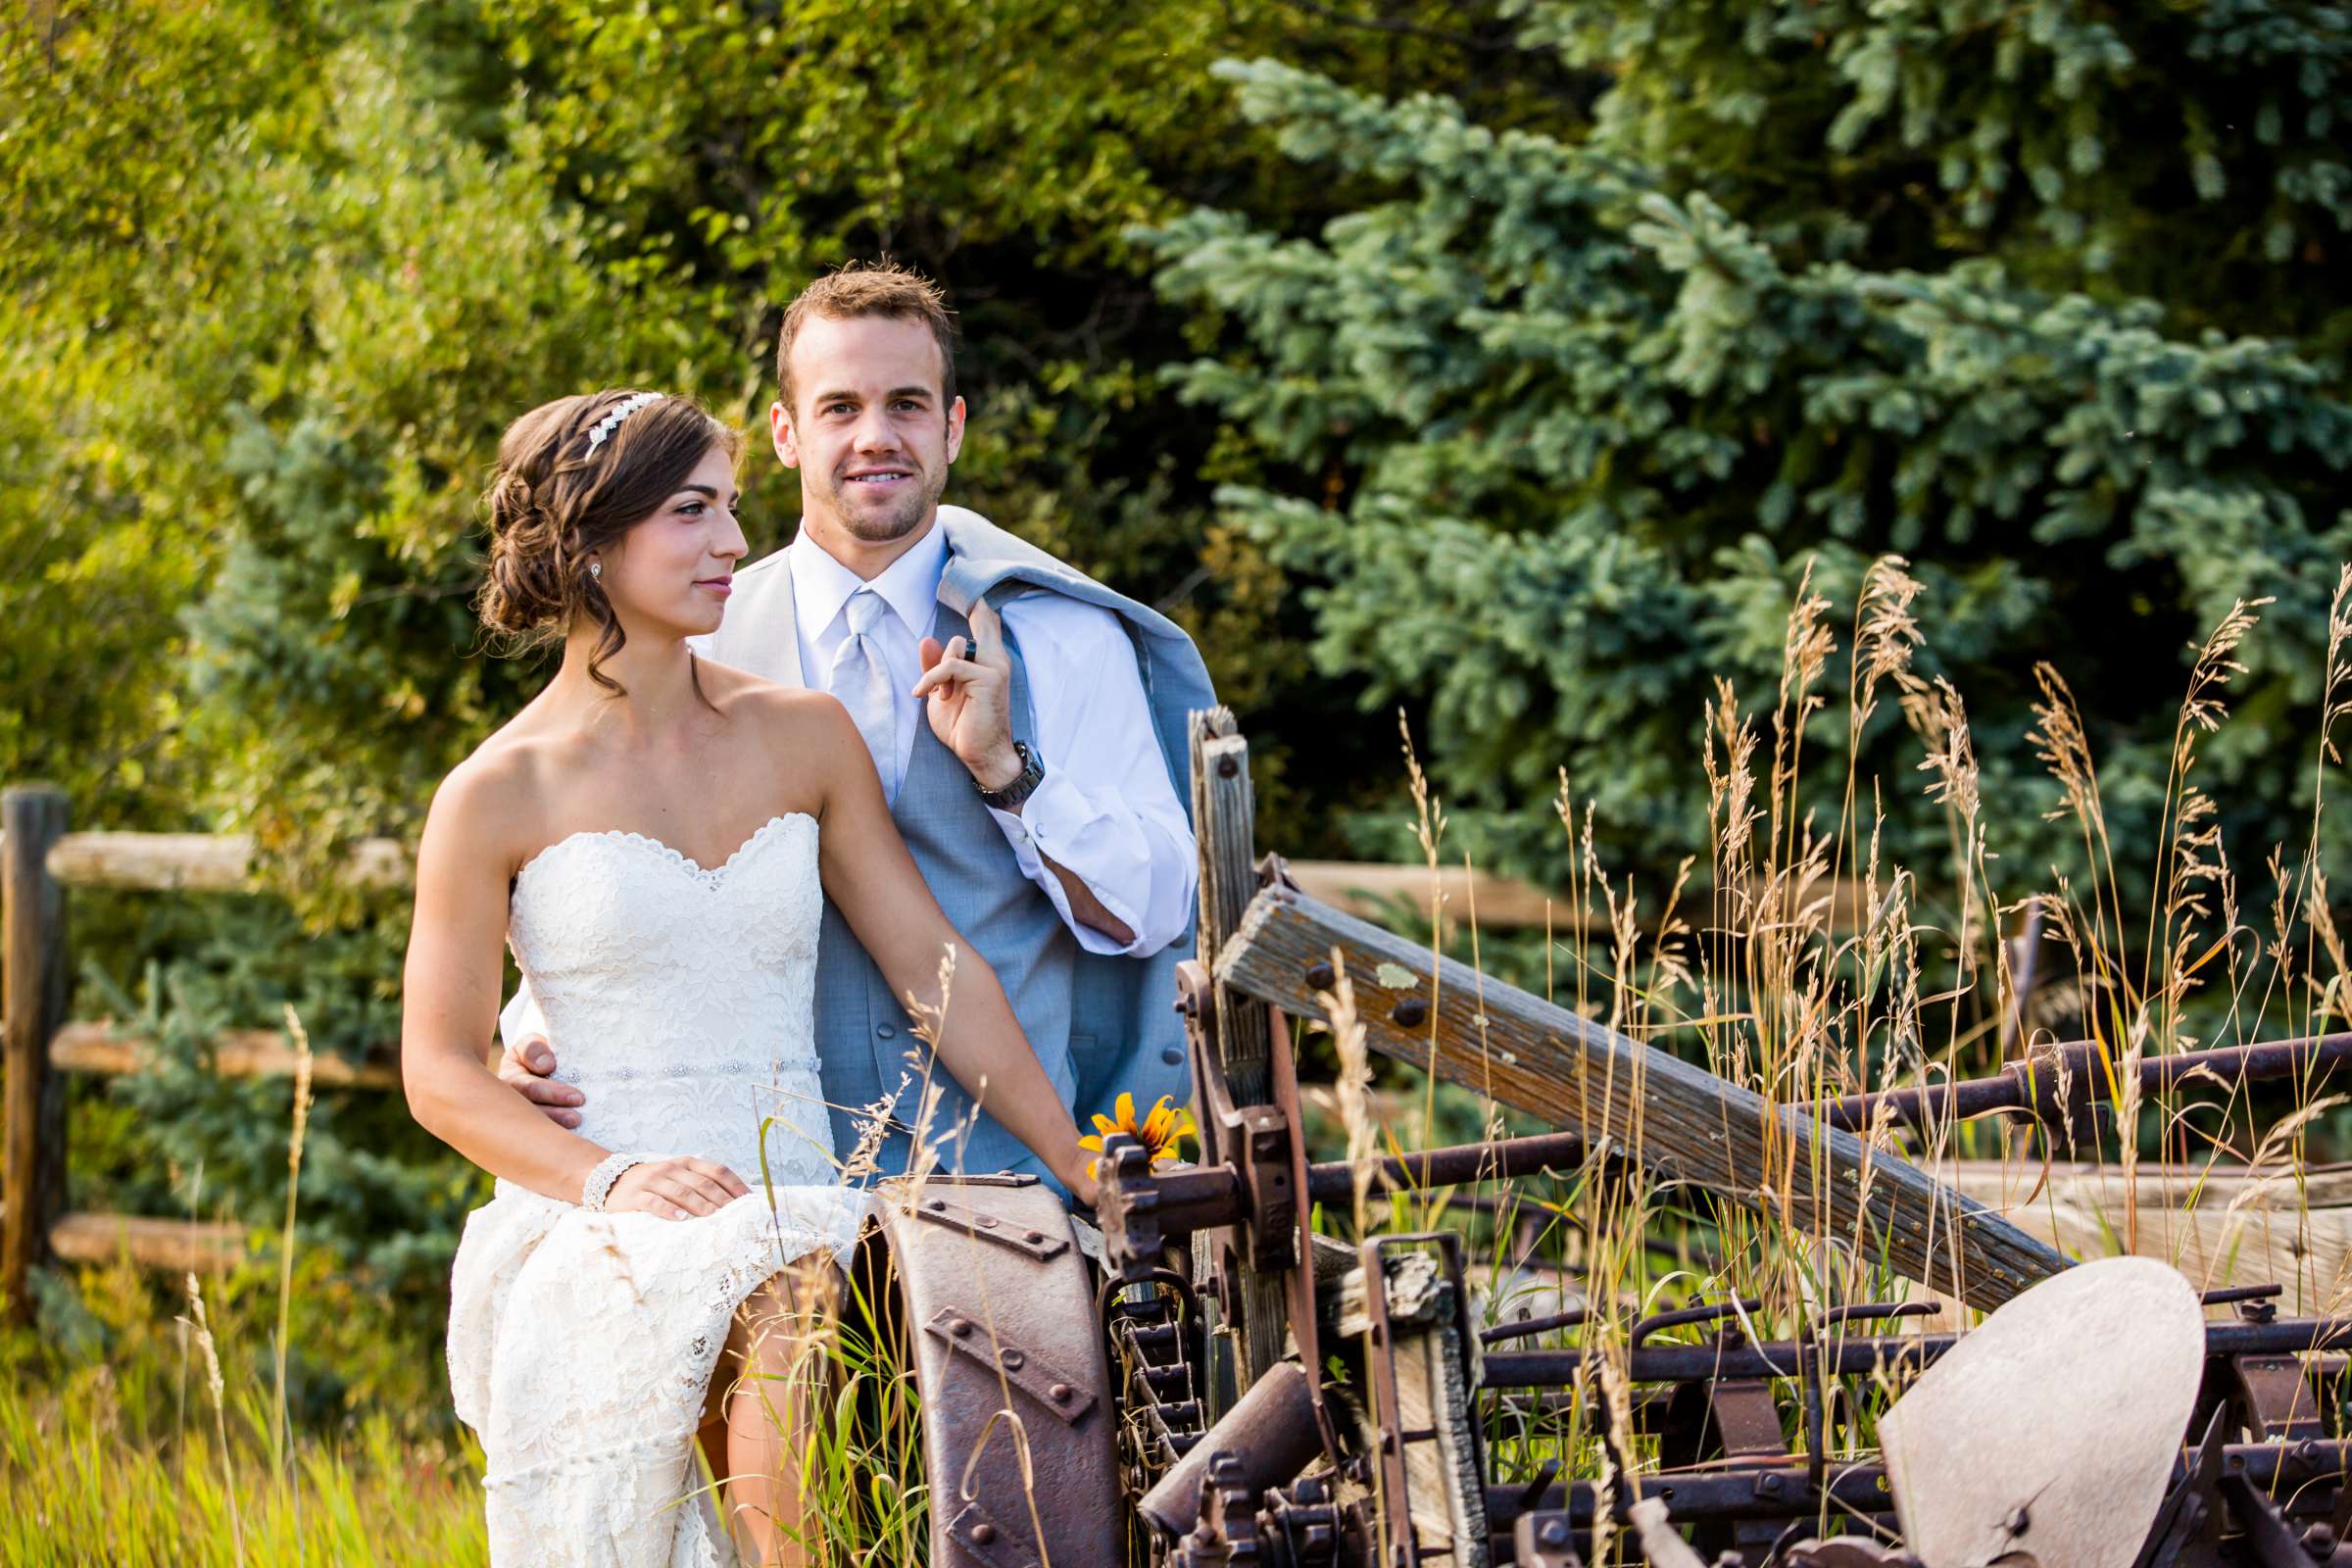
[(572, 477)]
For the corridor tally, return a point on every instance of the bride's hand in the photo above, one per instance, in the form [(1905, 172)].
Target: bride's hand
[(675, 1188)]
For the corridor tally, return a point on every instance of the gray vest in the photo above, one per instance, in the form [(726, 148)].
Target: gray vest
[(1100, 1024), (864, 1034)]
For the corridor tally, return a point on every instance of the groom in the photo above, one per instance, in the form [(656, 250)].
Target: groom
[(1028, 724)]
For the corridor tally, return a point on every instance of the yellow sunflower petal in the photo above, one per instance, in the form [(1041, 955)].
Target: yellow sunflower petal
[(1126, 1111), (1104, 1125), (1092, 1141)]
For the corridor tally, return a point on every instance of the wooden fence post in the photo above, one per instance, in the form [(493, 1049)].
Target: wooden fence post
[(1225, 822), (32, 1001)]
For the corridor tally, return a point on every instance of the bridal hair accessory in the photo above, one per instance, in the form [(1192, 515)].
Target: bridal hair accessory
[(612, 422), (599, 1185)]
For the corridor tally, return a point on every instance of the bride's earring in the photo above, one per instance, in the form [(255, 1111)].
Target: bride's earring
[(596, 571)]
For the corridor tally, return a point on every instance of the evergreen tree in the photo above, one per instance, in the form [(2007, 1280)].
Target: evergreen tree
[(1558, 422)]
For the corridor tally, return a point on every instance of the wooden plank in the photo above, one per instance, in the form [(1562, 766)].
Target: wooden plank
[(201, 862), (1678, 1119), (1225, 824), (1371, 891), (34, 996), (100, 1048), (2218, 1228), (176, 1246)]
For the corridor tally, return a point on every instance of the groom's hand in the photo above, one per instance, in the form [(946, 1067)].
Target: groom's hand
[(525, 1068), (968, 695)]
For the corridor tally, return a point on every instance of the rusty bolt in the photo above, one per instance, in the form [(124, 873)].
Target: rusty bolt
[(1321, 975), (959, 1327), (936, 1205), (1012, 1358), (1768, 1484), (982, 1533), (988, 1222), (1228, 767), (1060, 1393), (1410, 1011), (1034, 1238)]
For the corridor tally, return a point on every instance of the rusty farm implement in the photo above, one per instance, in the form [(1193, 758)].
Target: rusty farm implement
[(1214, 1381)]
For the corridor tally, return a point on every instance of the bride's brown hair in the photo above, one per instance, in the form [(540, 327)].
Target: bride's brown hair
[(553, 505)]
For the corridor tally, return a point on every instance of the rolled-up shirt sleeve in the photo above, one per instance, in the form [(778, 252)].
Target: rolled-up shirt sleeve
[(1106, 811)]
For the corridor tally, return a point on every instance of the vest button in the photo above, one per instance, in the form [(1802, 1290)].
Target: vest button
[(885, 1031), (1171, 1055)]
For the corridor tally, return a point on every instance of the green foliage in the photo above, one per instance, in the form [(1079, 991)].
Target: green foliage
[(1560, 421)]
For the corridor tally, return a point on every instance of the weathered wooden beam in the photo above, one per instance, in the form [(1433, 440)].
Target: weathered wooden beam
[(1225, 825), (1676, 1118), (99, 1048), (172, 1246), (33, 1001), (1370, 890), (201, 862)]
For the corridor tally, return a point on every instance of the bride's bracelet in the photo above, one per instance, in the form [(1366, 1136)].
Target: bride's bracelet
[(599, 1185)]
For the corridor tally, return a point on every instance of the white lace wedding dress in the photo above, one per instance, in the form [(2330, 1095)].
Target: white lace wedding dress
[(581, 1344)]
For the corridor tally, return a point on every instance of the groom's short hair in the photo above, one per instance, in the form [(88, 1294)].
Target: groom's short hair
[(871, 289)]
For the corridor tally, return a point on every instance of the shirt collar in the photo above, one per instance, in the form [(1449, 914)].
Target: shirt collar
[(910, 585)]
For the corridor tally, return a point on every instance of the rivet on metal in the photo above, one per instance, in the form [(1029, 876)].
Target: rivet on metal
[(1228, 767), (982, 1533), (1059, 1393), (961, 1327), (1012, 1358), (1322, 976), (1410, 1011)]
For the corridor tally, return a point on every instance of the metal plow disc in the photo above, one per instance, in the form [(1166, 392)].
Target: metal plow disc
[(2050, 1431)]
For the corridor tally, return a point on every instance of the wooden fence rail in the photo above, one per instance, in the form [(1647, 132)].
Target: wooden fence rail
[(40, 859)]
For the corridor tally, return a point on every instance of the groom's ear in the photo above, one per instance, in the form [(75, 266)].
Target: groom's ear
[(779, 428), (955, 428)]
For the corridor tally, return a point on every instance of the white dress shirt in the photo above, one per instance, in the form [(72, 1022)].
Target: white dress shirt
[(1106, 809)]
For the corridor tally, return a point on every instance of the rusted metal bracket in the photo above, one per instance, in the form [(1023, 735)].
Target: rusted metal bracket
[(1056, 1391), (993, 1545), (1029, 1240)]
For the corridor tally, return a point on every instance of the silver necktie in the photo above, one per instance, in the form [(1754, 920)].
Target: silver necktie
[(862, 683)]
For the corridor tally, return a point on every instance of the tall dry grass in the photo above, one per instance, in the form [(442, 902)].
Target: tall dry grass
[(1781, 990)]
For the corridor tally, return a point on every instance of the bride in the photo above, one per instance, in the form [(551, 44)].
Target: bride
[(654, 835)]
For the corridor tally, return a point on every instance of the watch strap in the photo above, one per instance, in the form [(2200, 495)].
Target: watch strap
[(1025, 783)]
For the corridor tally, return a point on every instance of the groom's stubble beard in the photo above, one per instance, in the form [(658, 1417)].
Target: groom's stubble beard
[(872, 527)]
